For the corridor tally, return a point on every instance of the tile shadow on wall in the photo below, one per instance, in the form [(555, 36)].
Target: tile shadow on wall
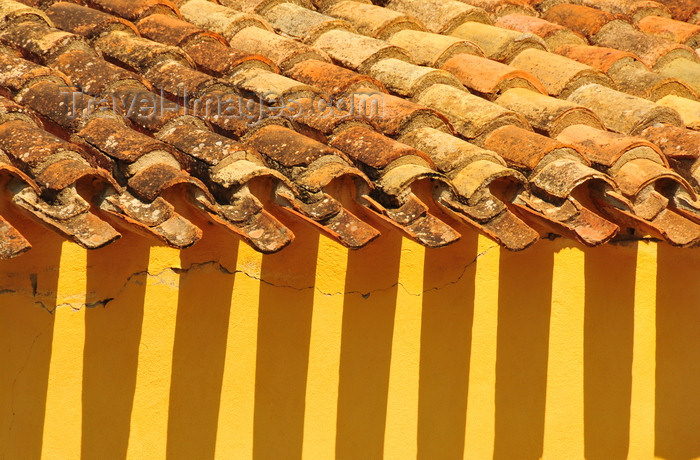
[(284, 333), (608, 340), (115, 291), (445, 347), (524, 299), (206, 285), (678, 353), (26, 334), (369, 306)]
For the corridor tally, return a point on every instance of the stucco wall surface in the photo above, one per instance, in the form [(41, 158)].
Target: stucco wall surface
[(143, 352)]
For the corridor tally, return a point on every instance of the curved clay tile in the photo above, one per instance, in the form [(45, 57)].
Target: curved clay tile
[(41, 43), (687, 71), (554, 170), (134, 10), (357, 52), (490, 78), (92, 74), (471, 116), (559, 75), (500, 8), (393, 115), (56, 166), (621, 112), (670, 29), (631, 9), (332, 79), (311, 166), (409, 80), (440, 16), (175, 32), (12, 243), (84, 21), (139, 53), (553, 34), (674, 142), (688, 109), (283, 51), (373, 20), (581, 19), (497, 43), (629, 74), (477, 175), (393, 168), (651, 50), (262, 6), (545, 113), (220, 19), (302, 23), (682, 10), (11, 11), (16, 73), (430, 49)]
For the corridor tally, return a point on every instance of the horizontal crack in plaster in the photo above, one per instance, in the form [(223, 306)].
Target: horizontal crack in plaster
[(161, 278)]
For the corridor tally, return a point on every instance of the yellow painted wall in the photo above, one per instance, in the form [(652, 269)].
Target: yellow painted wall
[(141, 352)]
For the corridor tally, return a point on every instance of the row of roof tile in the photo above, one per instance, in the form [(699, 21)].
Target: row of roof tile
[(527, 118)]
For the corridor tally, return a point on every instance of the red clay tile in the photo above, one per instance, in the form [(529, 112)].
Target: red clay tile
[(554, 35), (92, 74), (433, 50), (220, 19), (500, 8), (621, 112), (497, 43), (134, 10), (545, 113), (670, 29), (682, 10), (41, 43), (12, 243), (674, 142), (175, 32), (558, 74), (332, 79), (440, 16), (139, 53), (490, 78), (222, 61), (652, 51), (373, 20), (84, 21), (355, 51), (284, 52), (302, 23), (581, 19), (409, 80), (471, 116)]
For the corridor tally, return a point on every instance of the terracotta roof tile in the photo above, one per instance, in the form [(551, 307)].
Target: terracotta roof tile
[(333, 79), (431, 49), (135, 9), (547, 114), (688, 109), (621, 112), (440, 16), (554, 35), (581, 19), (284, 52), (409, 80), (687, 71), (504, 7), (373, 20), (682, 10), (86, 22), (220, 19), (559, 75), (393, 168), (497, 43), (554, 170), (490, 78), (471, 116), (357, 52), (670, 29), (651, 50), (632, 9), (302, 23), (12, 243)]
